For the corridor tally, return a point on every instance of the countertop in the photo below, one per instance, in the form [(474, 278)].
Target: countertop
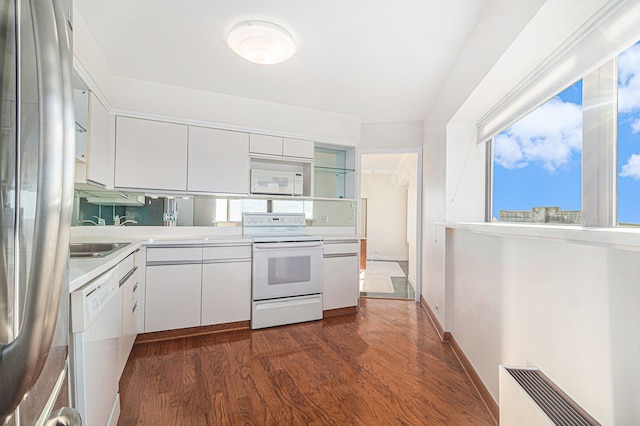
[(83, 270)]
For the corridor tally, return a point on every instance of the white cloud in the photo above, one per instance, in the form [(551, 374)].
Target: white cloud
[(632, 168), (549, 135), (629, 80), (635, 126)]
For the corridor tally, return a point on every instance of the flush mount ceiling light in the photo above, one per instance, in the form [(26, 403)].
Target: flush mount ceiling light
[(261, 42)]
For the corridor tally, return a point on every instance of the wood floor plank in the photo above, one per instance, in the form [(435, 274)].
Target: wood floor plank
[(383, 365)]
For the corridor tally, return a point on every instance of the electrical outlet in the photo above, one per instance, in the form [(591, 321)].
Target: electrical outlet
[(323, 219), (437, 309)]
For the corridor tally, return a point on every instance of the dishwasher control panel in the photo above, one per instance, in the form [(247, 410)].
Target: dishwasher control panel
[(90, 300)]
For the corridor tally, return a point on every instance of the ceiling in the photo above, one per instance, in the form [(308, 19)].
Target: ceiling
[(382, 61)]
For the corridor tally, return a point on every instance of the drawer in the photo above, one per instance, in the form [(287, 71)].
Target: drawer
[(139, 256), (174, 254), (124, 267), (341, 248), (226, 252)]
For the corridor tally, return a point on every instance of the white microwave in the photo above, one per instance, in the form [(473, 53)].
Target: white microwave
[(276, 182)]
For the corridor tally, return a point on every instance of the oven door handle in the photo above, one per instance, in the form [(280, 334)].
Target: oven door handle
[(293, 245)]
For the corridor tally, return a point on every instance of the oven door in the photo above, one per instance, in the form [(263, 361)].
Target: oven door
[(283, 269)]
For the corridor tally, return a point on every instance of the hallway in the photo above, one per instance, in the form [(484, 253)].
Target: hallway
[(386, 280)]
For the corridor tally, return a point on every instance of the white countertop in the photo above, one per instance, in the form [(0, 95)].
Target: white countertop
[(83, 270)]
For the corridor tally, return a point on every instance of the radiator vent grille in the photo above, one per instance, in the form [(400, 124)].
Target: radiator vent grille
[(557, 405)]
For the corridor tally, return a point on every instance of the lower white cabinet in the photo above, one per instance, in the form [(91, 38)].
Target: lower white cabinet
[(127, 275), (226, 292), (226, 284), (340, 275), (173, 297), (197, 285)]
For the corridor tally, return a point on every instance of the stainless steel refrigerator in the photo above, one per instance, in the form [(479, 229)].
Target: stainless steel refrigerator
[(36, 197)]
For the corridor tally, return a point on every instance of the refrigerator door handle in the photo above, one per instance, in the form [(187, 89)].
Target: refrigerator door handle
[(22, 360)]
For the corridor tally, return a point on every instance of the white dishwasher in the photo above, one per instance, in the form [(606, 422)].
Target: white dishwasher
[(95, 319)]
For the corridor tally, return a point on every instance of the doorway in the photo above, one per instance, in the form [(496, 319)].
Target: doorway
[(390, 191)]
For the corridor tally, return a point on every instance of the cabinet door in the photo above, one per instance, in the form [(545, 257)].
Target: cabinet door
[(139, 289), (340, 282), (100, 144), (226, 292), (150, 154), (129, 324), (173, 294), (265, 144), (297, 148), (218, 161)]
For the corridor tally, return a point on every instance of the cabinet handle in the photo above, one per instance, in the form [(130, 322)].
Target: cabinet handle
[(329, 256), (134, 307), (126, 277), (135, 287)]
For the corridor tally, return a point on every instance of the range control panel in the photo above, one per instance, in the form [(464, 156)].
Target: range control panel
[(272, 219)]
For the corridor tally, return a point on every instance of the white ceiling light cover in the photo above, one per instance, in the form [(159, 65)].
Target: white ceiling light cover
[(261, 42)]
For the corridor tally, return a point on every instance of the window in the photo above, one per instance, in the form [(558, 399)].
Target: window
[(230, 210), (537, 164), (629, 137)]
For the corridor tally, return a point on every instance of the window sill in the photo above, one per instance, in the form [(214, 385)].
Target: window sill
[(619, 238)]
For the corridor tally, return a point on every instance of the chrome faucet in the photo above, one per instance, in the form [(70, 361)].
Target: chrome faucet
[(117, 221), (99, 222)]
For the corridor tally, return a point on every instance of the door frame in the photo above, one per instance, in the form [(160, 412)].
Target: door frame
[(418, 152)]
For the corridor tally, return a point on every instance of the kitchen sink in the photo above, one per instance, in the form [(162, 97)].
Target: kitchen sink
[(94, 249)]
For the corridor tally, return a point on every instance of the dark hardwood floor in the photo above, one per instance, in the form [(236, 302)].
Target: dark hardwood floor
[(382, 366)]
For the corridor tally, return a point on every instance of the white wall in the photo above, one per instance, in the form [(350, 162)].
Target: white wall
[(88, 60), (434, 208), (391, 136), (386, 196), (569, 309), (410, 168), (465, 175), (232, 112)]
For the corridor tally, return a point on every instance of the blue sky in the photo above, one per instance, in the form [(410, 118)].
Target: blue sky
[(629, 136), (537, 161)]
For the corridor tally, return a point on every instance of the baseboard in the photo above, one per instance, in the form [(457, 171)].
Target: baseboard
[(434, 320), (158, 336), (449, 338), (486, 397), (340, 311)]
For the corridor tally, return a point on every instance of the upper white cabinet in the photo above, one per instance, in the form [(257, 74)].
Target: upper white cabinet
[(265, 145), (297, 148), (280, 147), (218, 161), (100, 145), (150, 155)]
